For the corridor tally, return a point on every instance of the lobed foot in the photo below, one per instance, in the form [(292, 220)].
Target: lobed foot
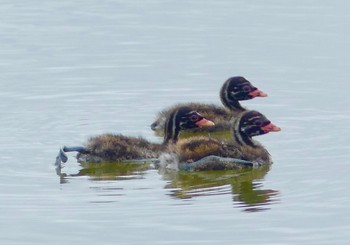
[(61, 158)]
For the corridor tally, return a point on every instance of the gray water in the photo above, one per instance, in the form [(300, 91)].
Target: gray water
[(74, 69)]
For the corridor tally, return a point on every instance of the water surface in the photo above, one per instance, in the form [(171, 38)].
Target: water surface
[(71, 70)]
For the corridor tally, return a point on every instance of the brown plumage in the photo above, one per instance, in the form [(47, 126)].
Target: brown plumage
[(118, 148), (232, 91), (241, 146)]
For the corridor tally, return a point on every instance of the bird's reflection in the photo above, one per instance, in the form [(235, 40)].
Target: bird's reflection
[(245, 186), (106, 171)]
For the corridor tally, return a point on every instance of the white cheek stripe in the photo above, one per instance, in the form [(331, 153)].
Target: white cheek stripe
[(237, 134), (169, 133), (224, 94), (256, 117), (174, 125)]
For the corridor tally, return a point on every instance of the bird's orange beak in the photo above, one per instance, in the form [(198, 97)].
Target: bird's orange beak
[(271, 128), (205, 123), (257, 93)]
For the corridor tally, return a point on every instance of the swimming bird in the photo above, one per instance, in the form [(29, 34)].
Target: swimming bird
[(118, 148), (234, 89), (205, 153)]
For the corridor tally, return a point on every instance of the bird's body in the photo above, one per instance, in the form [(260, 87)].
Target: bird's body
[(118, 148), (235, 89), (194, 149), (218, 114), (241, 146)]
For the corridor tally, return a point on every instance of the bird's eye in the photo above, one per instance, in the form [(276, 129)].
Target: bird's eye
[(194, 118), (258, 123), (246, 88)]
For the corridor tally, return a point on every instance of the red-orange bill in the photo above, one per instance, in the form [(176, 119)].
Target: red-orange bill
[(204, 123), (257, 93), (271, 128)]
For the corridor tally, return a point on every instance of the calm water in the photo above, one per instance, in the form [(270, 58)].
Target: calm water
[(73, 69)]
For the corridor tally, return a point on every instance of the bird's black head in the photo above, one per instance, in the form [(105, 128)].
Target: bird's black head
[(239, 88), (181, 119), (253, 123), (188, 119)]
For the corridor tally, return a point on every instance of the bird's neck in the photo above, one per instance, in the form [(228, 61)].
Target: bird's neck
[(229, 101), (240, 137), (171, 129), (232, 104)]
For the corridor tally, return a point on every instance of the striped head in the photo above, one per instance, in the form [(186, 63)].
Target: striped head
[(236, 89), (181, 119), (250, 124)]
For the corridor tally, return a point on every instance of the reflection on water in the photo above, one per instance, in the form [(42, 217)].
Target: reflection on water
[(74, 69), (106, 171), (243, 185)]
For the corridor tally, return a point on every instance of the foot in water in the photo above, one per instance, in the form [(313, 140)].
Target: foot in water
[(62, 156)]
